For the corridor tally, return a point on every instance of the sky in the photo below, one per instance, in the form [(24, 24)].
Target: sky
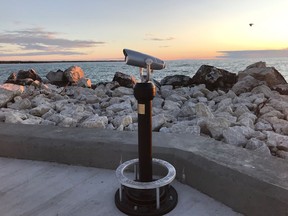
[(49, 30)]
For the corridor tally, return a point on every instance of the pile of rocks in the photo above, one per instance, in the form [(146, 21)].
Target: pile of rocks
[(252, 114)]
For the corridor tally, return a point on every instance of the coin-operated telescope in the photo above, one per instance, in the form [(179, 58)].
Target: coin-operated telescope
[(145, 194), (142, 61)]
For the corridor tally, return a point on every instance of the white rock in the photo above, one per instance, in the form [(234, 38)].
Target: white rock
[(276, 140), (203, 111), (95, 121), (157, 102), (16, 89), (166, 90), (40, 110), (33, 121), (241, 109), (119, 107), (263, 125), (68, 122), (176, 98), (122, 120), (13, 118), (188, 109), (121, 91), (171, 105), (21, 104), (57, 118), (237, 135), (184, 127), (158, 121), (5, 97), (214, 126)]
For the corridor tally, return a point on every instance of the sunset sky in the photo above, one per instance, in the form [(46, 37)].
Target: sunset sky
[(168, 29)]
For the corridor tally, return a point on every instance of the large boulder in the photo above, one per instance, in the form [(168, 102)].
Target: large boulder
[(8, 91), (23, 77), (269, 75), (57, 78), (125, 80), (176, 80), (73, 74), (214, 78)]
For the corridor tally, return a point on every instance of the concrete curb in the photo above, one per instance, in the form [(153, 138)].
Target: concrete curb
[(249, 183)]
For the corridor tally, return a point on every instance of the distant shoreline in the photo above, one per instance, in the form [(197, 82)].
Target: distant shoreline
[(40, 62)]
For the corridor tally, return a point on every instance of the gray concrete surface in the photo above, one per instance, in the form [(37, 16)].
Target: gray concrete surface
[(249, 183), (33, 188)]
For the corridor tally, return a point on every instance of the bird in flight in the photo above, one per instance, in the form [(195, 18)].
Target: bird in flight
[(251, 24)]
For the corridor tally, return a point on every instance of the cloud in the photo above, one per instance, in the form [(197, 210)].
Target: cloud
[(153, 38), (38, 41), (41, 53), (253, 53)]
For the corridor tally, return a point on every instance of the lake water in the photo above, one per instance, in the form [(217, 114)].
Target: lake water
[(104, 71)]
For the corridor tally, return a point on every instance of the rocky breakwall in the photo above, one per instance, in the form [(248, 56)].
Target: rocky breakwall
[(248, 109)]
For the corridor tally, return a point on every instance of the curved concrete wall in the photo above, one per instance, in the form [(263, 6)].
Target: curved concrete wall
[(245, 181)]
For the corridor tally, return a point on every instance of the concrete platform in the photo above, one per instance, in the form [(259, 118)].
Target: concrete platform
[(248, 183), (33, 188)]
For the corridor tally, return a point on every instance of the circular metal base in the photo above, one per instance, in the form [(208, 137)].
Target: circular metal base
[(143, 202)]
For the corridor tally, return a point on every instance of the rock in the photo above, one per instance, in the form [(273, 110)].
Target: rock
[(57, 78), (214, 127), (40, 110), (166, 90), (158, 121), (282, 154), (28, 74), (183, 127), (170, 105), (21, 104), (158, 102), (267, 74), (245, 84), (202, 110), (84, 82), (12, 78), (13, 118), (121, 91), (95, 121), (258, 146), (176, 80), (214, 78), (73, 74), (16, 89), (122, 120), (263, 125), (125, 80), (188, 109), (67, 122), (257, 65), (234, 136), (281, 88), (23, 77), (5, 97), (119, 107), (263, 89), (278, 125), (275, 139)]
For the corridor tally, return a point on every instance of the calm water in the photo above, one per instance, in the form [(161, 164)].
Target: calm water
[(104, 71)]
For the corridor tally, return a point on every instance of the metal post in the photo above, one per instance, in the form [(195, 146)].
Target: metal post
[(144, 93)]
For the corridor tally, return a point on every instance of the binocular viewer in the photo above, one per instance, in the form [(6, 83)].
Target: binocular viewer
[(142, 60)]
